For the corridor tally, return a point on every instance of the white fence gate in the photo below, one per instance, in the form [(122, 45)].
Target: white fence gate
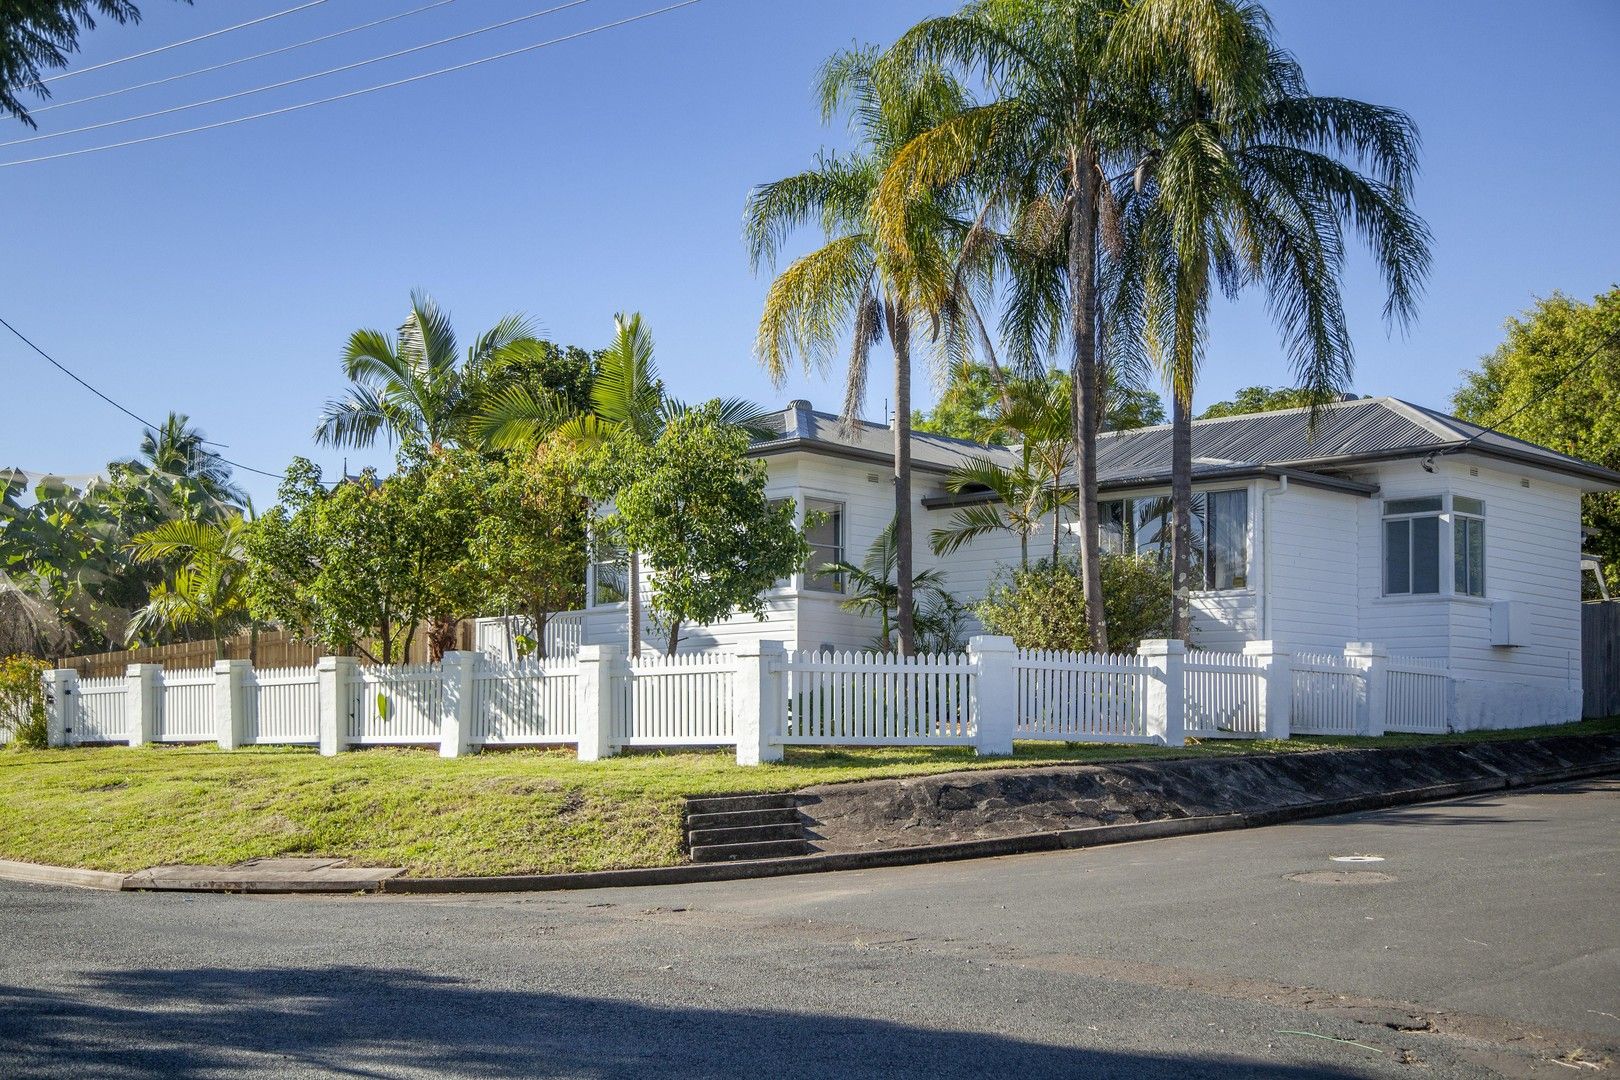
[(1081, 696), (400, 704), (101, 713), (1225, 696), (1329, 692)]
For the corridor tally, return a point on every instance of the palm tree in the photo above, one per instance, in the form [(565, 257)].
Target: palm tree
[(1245, 178), (208, 590), (1036, 413), (873, 588), (859, 283), (185, 477), (1057, 118), (416, 386), (627, 400)]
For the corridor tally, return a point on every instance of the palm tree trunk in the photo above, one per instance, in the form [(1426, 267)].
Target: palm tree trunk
[(1083, 327), (1180, 512), (900, 336), (635, 604)]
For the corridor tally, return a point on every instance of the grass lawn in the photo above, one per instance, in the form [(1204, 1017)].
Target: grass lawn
[(511, 812)]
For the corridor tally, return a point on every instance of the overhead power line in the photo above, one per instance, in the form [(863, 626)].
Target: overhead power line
[(355, 93), (187, 41), (132, 414), (300, 79), (239, 60)]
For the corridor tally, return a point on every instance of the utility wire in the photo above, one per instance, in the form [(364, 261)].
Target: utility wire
[(239, 60), (187, 41), (137, 417), (1609, 340), (300, 79), (355, 93)]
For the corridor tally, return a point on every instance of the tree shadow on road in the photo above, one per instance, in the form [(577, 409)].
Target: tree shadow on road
[(355, 1021)]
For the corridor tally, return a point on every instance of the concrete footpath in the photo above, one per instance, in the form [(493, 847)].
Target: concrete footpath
[(982, 814)]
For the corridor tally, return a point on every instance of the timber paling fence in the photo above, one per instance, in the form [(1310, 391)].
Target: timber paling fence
[(761, 699)]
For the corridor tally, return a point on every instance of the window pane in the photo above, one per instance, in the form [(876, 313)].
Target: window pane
[(1227, 524), (1112, 520), (1464, 505), (1425, 554), (1428, 505), (825, 532), (1397, 557), (1151, 519), (612, 582), (1476, 557)]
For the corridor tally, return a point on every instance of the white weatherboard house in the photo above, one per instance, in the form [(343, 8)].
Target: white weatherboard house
[(1385, 522)]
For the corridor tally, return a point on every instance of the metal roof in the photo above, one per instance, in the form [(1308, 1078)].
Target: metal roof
[(1360, 430)]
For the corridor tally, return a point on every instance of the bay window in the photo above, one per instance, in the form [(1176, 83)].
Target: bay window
[(1413, 545)]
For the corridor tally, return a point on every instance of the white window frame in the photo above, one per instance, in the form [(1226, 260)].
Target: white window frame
[(1471, 519), (805, 575)]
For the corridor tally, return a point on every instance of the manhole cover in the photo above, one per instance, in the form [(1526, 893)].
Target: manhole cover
[(1341, 877), (1358, 858)]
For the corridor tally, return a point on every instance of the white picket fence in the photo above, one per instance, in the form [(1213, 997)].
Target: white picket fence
[(1081, 696), (1225, 695), (683, 700), (763, 699), (877, 699), (496, 637)]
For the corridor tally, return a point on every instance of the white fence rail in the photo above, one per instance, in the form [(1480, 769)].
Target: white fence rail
[(878, 699), (281, 705), (763, 699), (1226, 695), (1081, 697)]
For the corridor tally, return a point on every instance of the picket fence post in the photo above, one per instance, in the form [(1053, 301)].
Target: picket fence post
[(994, 707), (230, 710), (757, 701), (455, 727), (597, 666), (141, 702), (61, 699), (1166, 706), (1373, 660), (333, 675), (1277, 694)]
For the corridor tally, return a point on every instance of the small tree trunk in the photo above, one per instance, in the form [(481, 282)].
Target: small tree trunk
[(900, 336), (674, 637), (1180, 513), (538, 619), (635, 604), (1083, 327), (441, 637)]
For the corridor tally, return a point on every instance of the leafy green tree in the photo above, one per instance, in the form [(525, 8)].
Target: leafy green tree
[(871, 588), (1525, 389), (22, 702), (530, 542), (693, 503), (969, 405), (1246, 178), (860, 285), (1258, 399), (541, 368), (1042, 606), (37, 36), (207, 591), (416, 386)]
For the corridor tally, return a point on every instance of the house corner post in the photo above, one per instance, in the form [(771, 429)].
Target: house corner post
[(333, 675), (1372, 709), (1166, 705), (61, 699), (230, 702), (1277, 681), (458, 669), (757, 702), (141, 703), (994, 706), (598, 664)]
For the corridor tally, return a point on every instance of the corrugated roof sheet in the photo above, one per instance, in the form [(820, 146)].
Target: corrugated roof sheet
[(1361, 429)]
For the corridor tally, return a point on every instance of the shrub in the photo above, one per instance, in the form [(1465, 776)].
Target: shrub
[(22, 701), (1043, 606)]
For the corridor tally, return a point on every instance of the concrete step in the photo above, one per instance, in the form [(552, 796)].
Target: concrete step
[(745, 834), (728, 804), (763, 849), (735, 819)]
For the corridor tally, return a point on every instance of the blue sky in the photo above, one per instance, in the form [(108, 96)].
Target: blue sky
[(219, 273)]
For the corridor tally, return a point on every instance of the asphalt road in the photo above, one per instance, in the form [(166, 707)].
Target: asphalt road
[(1490, 950)]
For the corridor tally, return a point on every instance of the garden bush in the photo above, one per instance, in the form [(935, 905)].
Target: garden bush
[(1042, 606), (22, 701)]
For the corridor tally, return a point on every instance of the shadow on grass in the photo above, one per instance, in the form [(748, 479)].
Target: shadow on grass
[(374, 1022)]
